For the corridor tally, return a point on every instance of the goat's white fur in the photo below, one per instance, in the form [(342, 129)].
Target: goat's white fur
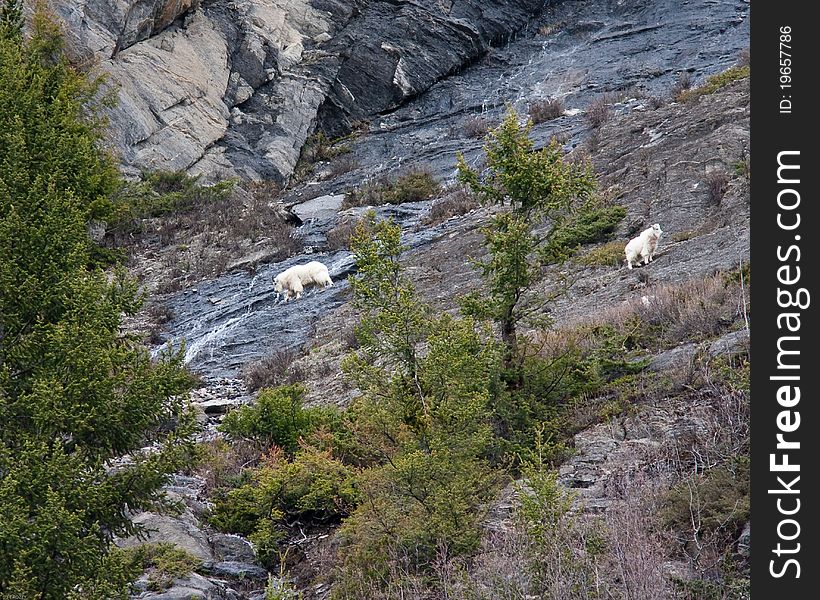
[(643, 246), (292, 281)]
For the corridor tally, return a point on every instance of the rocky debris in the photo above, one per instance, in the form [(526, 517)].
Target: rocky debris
[(736, 342), (236, 570), (232, 548), (219, 396), (191, 587)]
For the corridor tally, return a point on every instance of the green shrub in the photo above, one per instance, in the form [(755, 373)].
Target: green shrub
[(718, 497), (416, 185), (593, 223), (317, 148), (714, 83), (313, 485), (162, 193), (163, 562), (610, 254), (277, 417)]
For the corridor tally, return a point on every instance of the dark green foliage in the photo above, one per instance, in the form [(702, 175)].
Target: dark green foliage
[(416, 185), (423, 417), (314, 484), (11, 19), (162, 193), (592, 223), (277, 417), (76, 394)]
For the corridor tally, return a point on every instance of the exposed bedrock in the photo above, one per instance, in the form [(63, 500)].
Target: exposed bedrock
[(226, 88)]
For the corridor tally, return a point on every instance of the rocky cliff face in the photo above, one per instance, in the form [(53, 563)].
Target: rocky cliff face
[(235, 88), (224, 88)]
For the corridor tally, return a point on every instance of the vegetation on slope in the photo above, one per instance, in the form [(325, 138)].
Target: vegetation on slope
[(76, 395)]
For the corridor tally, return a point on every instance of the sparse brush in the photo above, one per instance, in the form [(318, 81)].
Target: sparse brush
[(684, 82), (339, 237), (546, 110), (476, 126), (284, 237), (717, 182), (415, 185), (341, 165), (599, 110), (274, 370), (458, 203), (714, 83)]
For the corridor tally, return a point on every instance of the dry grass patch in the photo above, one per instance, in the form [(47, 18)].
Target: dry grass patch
[(454, 204), (600, 110), (274, 370), (714, 83), (476, 126), (546, 110)]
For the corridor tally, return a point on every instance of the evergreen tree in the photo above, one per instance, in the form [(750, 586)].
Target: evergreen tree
[(538, 192), (423, 415), (78, 397), (11, 19)]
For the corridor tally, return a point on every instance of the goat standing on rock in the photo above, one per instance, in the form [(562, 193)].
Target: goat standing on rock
[(293, 280), (643, 246)]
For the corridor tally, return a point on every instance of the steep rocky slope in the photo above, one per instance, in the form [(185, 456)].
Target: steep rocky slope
[(227, 88), (235, 88)]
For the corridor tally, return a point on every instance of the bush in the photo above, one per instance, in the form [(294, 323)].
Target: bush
[(317, 148), (164, 562), (610, 254), (717, 182), (457, 203), (599, 111), (162, 193), (593, 223), (416, 185), (718, 500), (313, 485), (272, 371), (684, 82), (222, 464), (342, 234), (476, 126), (714, 83), (546, 110), (277, 417)]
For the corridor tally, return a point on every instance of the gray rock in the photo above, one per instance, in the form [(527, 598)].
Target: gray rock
[(734, 342), (744, 542), (238, 570), (184, 531), (232, 548), (180, 66)]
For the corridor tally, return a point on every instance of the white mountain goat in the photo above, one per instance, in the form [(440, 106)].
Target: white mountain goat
[(643, 246), (293, 281)]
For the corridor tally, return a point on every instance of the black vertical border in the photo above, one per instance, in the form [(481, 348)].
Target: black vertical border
[(774, 131)]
